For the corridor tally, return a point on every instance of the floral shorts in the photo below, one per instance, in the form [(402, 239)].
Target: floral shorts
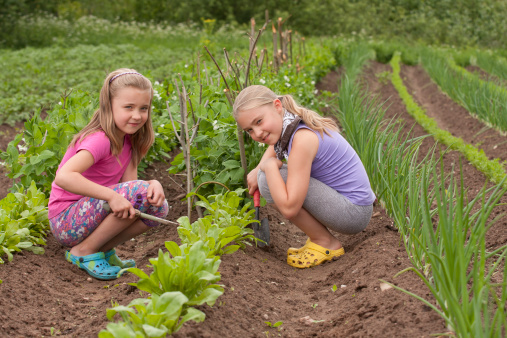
[(78, 221)]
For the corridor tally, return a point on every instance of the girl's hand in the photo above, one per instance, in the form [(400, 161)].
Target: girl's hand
[(155, 193), (121, 207), (271, 163), (251, 180)]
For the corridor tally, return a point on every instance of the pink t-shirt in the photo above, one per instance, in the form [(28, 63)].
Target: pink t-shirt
[(105, 170)]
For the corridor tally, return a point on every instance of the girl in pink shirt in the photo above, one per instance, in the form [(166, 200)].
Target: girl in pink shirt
[(100, 166)]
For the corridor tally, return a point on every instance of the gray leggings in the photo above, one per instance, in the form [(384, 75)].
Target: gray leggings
[(328, 206)]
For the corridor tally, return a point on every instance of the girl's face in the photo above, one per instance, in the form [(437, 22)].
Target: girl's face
[(130, 109), (264, 123)]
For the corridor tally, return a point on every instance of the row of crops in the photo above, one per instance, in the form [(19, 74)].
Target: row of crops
[(448, 254)]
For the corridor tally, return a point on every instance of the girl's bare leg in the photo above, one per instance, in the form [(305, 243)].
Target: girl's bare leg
[(111, 232), (317, 232), (132, 231)]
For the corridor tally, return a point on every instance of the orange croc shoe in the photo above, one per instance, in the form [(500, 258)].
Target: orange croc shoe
[(313, 255)]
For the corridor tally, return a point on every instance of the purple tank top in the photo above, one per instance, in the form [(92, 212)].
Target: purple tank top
[(338, 166)]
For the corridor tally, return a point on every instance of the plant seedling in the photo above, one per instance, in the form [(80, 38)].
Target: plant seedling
[(277, 324)]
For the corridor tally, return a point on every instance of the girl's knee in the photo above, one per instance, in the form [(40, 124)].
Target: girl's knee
[(263, 186)]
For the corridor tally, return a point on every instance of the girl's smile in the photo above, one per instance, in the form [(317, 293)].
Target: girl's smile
[(131, 109)]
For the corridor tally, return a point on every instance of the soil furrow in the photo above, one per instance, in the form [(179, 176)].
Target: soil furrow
[(451, 116), (473, 179)]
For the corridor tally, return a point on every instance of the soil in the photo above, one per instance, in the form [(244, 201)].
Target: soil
[(41, 292)]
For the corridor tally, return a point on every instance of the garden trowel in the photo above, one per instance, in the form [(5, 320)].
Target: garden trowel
[(261, 229)]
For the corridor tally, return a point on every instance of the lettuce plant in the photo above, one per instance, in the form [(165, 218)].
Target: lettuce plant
[(189, 271), (23, 222), (157, 316), (226, 222)]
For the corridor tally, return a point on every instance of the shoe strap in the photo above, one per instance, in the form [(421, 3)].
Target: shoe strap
[(92, 257)]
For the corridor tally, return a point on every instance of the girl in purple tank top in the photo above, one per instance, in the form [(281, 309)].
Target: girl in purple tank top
[(322, 186)]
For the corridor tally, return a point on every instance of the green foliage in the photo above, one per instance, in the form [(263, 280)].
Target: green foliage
[(189, 271), (36, 78), (225, 223), (446, 243), (462, 22), (484, 99), (34, 154), (23, 221), (384, 51), (493, 63), (157, 316), (451, 253)]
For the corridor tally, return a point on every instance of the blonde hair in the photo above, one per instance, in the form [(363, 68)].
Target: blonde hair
[(102, 119), (256, 96)]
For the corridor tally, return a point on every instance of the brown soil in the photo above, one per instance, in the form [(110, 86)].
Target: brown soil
[(44, 292)]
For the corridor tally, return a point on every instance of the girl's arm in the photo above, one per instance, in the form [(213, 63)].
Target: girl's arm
[(289, 197), (155, 193), (252, 175), (70, 178)]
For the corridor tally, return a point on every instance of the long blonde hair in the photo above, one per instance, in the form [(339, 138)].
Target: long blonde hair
[(256, 96), (102, 119)]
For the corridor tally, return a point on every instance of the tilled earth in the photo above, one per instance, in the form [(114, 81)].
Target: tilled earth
[(44, 294)]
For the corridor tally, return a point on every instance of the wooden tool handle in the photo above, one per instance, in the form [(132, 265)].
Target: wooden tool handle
[(143, 215)]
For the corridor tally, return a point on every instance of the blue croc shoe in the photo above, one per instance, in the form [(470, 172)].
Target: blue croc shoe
[(95, 264), (114, 260)]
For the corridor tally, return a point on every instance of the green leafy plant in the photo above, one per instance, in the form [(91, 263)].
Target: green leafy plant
[(226, 222), (23, 221), (189, 271), (34, 155), (277, 324), (158, 316)]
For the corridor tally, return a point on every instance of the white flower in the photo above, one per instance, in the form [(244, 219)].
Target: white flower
[(286, 78), (186, 66), (313, 82), (162, 125), (157, 83), (287, 84), (300, 94), (262, 81), (316, 91)]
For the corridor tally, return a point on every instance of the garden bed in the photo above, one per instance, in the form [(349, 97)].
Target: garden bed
[(45, 294)]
